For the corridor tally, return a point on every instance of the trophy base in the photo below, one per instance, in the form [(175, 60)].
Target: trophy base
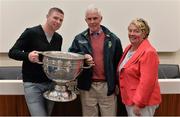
[(60, 96)]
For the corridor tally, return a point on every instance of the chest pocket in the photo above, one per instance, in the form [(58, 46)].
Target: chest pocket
[(84, 46)]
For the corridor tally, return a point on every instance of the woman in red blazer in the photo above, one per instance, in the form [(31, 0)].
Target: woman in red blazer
[(138, 72)]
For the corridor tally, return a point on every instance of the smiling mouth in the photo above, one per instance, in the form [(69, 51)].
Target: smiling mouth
[(133, 38)]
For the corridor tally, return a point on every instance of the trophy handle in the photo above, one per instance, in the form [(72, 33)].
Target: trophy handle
[(87, 67), (39, 62), (39, 52)]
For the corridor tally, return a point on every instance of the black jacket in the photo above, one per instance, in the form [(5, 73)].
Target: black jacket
[(112, 53), (34, 39)]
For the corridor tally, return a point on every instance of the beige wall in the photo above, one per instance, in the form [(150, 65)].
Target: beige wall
[(158, 13), (165, 58)]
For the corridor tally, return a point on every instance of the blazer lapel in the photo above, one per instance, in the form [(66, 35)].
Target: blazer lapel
[(139, 52)]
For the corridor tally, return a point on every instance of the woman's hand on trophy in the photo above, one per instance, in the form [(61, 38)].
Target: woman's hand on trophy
[(89, 60)]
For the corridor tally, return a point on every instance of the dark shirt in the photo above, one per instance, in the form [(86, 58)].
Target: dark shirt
[(34, 39)]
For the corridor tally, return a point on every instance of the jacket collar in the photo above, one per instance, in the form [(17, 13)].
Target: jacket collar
[(104, 29), (139, 52)]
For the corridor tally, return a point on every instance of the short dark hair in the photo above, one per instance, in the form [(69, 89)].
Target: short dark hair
[(55, 9)]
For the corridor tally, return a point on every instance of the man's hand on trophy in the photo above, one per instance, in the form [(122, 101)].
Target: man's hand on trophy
[(89, 60), (33, 57)]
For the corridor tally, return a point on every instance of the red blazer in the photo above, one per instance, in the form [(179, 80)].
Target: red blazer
[(138, 79)]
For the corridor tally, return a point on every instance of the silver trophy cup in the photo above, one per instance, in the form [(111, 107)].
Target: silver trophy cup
[(62, 68)]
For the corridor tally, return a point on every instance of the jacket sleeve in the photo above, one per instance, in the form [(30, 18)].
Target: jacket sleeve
[(117, 56), (17, 51), (74, 46), (149, 71), (118, 52)]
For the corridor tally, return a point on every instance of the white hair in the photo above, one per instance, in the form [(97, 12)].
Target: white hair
[(93, 8)]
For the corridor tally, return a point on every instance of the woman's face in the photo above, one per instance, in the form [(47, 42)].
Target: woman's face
[(135, 34)]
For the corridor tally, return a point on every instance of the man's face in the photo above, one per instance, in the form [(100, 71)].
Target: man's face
[(54, 20), (93, 19)]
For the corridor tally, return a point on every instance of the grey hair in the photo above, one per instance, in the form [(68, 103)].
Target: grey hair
[(93, 8)]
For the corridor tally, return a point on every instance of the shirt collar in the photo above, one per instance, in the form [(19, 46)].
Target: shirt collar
[(96, 33)]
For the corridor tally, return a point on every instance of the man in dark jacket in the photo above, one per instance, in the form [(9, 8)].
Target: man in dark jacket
[(102, 50), (38, 38)]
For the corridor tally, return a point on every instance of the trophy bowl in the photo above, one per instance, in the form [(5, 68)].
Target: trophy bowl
[(62, 68)]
